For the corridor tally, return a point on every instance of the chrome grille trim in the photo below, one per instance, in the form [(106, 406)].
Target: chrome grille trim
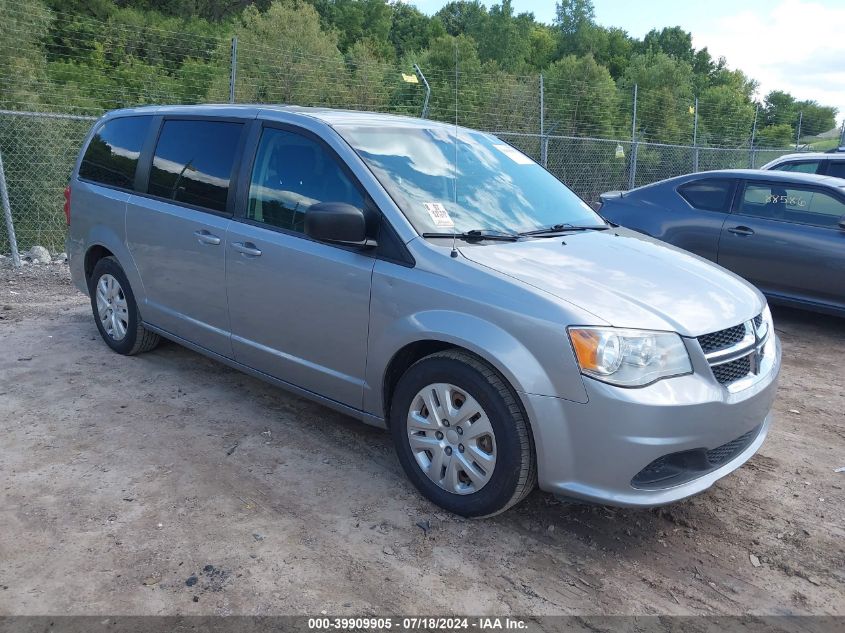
[(744, 346), (737, 365)]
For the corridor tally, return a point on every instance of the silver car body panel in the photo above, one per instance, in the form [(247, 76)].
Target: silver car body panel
[(184, 277), (331, 332)]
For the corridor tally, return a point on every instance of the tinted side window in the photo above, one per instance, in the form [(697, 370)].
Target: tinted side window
[(193, 162), (805, 167), (792, 204), (291, 173), (112, 155), (711, 194), (836, 168)]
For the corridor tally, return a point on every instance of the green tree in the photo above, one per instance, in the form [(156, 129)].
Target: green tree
[(581, 97), (776, 136), (411, 30), (356, 20), (815, 118), (542, 47), (283, 57), (572, 16), (610, 47), (368, 79), (438, 64), (463, 17), (673, 41), (664, 97), (504, 38), (22, 53), (779, 108), (725, 116)]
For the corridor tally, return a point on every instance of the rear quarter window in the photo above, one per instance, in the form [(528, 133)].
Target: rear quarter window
[(710, 194), (112, 155), (836, 169)]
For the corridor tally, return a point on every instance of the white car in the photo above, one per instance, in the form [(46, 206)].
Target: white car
[(831, 163)]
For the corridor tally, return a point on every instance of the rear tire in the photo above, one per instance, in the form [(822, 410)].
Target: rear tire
[(116, 312), (461, 435)]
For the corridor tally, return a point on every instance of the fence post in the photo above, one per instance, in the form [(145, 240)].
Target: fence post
[(798, 133), (842, 135), (233, 69), (544, 147), (695, 138), (424, 114), (632, 172), (751, 160), (7, 213)]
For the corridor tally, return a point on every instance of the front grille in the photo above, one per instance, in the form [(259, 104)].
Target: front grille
[(730, 342), (733, 371), (722, 339), (675, 469)]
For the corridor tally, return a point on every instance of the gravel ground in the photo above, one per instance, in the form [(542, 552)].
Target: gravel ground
[(170, 484)]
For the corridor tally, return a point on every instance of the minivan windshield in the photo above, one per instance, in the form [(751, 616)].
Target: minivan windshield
[(479, 183)]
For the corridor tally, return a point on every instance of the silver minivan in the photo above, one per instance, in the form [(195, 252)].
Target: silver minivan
[(431, 280)]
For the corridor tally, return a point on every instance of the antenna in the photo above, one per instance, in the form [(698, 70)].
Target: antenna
[(454, 252)]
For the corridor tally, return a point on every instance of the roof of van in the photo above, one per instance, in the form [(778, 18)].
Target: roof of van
[(330, 116)]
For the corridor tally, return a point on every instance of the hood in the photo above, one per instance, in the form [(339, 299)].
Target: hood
[(627, 279)]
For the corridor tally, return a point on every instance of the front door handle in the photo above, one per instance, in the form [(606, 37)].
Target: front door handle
[(247, 248), (741, 230), (204, 237)]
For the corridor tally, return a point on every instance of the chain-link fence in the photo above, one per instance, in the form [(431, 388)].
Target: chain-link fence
[(38, 151), (595, 137)]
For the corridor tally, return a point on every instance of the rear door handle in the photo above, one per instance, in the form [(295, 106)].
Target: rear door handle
[(204, 237), (247, 248), (741, 230)]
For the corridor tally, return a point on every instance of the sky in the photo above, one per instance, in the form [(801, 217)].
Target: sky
[(792, 45)]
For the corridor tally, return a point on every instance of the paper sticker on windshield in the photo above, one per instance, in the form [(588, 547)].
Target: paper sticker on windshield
[(439, 215), (514, 154)]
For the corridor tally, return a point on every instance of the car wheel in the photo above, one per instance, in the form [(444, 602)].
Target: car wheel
[(115, 310), (461, 435)]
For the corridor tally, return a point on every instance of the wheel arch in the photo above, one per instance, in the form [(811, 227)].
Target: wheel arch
[(103, 241), (94, 254), (489, 344)]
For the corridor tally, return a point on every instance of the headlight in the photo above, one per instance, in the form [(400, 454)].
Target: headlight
[(629, 358)]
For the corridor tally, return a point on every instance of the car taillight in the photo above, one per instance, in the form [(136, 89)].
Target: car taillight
[(67, 204)]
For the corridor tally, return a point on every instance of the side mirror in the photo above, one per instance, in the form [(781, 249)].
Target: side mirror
[(337, 222)]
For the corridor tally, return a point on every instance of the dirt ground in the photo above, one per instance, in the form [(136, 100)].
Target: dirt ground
[(169, 484)]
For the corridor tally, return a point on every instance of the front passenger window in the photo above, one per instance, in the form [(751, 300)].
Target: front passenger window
[(792, 204), (292, 172)]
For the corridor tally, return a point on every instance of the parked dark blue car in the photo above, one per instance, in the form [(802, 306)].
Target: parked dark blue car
[(784, 232)]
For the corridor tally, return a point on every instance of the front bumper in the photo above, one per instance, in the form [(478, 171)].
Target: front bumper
[(594, 451)]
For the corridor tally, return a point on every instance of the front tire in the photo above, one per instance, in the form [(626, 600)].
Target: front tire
[(116, 312), (461, 435)]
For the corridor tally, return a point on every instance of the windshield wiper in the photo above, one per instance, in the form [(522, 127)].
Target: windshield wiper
[(561, 228), (478, 234)]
